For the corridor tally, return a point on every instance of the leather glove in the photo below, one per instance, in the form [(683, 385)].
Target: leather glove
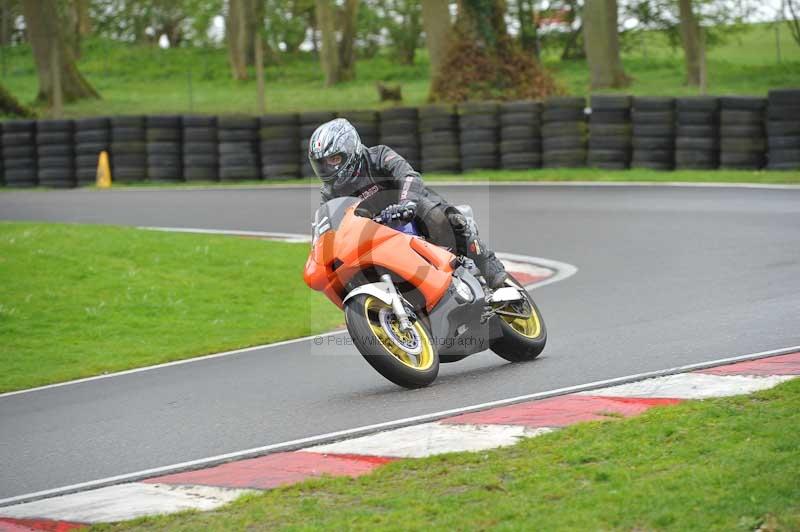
[(403, 211)]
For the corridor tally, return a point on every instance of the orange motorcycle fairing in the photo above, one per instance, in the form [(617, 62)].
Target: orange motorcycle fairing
[(361, 244)]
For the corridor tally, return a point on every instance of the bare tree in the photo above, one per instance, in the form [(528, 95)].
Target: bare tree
[(55, 60), (792, 7), (337, 43), (601, 41), (690, 39), (437, 25)]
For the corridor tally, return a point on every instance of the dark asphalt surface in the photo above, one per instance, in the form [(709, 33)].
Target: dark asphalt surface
[(667, 276)]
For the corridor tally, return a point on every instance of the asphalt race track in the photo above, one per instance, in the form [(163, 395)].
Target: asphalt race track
[(666, 276)]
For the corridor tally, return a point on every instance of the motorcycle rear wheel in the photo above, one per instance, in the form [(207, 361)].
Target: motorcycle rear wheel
[(407, 358), (522, 339)]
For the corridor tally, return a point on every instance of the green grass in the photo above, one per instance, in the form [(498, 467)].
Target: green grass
[(80, 300), (145, 80), (723, 464)]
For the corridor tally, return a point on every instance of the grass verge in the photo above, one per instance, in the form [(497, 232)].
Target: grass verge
[(77, 301), (722, 464)]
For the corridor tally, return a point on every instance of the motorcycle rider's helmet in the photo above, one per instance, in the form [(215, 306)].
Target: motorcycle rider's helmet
[(335, 150)]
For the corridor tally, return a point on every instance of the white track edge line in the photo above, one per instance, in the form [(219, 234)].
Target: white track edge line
[(563, 270), (369, 429), (436, 184)]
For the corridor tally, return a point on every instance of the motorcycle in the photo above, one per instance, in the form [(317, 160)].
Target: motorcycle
[(410, 305)]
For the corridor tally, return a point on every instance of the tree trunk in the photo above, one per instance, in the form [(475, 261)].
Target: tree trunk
[(437, 26), (45, 31), (328, 48), (347, 48), (6, 23), (528, 28), (601, 42), (236, 35), (690, 39), (11, 107)]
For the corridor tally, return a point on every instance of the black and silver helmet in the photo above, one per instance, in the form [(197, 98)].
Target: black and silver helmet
[(337, 137)]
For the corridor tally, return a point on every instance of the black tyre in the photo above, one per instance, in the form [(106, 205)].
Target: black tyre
[(743, 103), (406, 358), (520, 161), (563, 143), (521, 339), (469, 122), (653, 143), (615, 116), (608, 156), (198, 121), (450, 165), (398, 113), (563, 115), (604, 102), (610, 143), (564, 129), (162, 134), (520, 146), (520, 133), (655, 118), (397, 127), (784, 143), (280, 171), (571, 102), (653, 103), (479, 162), (478, 135), (610, 130), (201, 173), (478, 148), (649, 130), (695, 143), (440, 151), (199, 134), (533, 121), (741, 118)]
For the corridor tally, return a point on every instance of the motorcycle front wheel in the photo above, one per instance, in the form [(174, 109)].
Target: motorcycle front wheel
[(407, 358), (523, 333)]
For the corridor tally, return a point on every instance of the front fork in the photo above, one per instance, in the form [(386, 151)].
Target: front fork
[(397, 304)]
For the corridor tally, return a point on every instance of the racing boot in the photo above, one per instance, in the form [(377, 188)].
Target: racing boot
[(490, 266)]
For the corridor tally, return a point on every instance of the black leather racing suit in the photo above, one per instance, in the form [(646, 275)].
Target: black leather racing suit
[(383, 178)]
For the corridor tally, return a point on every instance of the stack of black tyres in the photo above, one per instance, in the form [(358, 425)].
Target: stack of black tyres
[(653, 120), (564, 132), (92, 137), (19, 153), (743, 140), (55, 153), (398, 130), (479, 125), (783, 129), (697, 133), (164, 160), (128, 149), (279, 135), (520, 135), (309, 121), (238, 148), (610, 132), (438, 139), (199, 148), (367, 124)]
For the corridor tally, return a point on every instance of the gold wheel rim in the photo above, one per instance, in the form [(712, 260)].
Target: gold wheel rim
[(422, 361), (530, 327)]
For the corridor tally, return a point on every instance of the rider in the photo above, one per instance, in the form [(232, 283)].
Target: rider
[(348, 168)]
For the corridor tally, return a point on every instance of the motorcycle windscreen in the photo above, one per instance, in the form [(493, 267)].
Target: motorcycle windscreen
[(329, 216)]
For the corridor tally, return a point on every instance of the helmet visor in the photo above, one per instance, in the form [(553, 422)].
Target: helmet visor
[(328, 167)]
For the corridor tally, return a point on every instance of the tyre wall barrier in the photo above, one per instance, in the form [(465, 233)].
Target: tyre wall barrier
[(607, 131)]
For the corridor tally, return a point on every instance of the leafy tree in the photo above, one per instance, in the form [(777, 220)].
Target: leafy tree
[(182, 22), (55, 60), (484, 62)]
